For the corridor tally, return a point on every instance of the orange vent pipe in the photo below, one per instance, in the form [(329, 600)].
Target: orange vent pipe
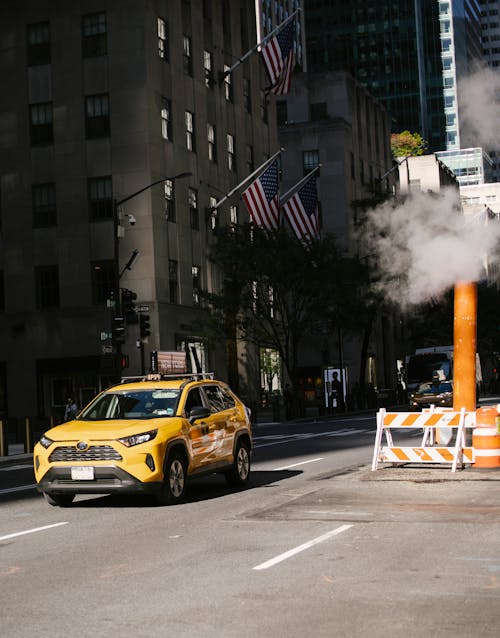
[(465, 346)]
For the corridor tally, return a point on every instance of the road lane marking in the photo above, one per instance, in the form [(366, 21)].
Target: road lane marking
[(296, 550), (287, 467), (288, 438), (20, 488), (10, 468), (32, 531)]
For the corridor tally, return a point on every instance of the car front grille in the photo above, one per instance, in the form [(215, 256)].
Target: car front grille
[(93, 453)]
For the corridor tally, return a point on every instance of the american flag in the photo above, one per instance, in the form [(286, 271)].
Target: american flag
[(279, 57), (262, 198), (301, 210)]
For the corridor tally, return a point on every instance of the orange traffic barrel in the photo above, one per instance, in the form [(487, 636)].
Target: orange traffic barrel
[(486, 438)]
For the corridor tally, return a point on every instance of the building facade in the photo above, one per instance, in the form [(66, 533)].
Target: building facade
[(330, 120), (108, 101)]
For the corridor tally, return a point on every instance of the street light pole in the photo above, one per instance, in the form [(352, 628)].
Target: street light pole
[(116, 309)]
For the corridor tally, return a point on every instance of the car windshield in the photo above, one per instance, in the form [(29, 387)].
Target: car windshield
[(429, 388), (132, 404)]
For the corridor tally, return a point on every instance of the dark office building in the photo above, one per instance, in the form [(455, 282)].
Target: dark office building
[(399, 52)]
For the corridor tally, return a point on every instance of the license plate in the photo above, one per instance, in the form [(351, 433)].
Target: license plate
[(82, 473)]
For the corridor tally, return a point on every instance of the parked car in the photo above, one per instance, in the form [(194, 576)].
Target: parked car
[(147, 437), (432, 393)]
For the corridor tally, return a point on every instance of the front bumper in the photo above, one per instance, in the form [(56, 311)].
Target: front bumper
[(107, 480)]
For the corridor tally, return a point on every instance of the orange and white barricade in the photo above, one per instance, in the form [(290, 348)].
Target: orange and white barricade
[(427, 452)]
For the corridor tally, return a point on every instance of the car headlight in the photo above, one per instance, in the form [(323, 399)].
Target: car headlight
[(137, 439), (45, 441)]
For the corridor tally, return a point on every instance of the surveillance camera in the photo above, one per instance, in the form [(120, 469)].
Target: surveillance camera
[(131, 220)]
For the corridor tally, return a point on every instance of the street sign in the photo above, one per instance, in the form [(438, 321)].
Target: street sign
[(142, 308), (106, 335), (106, 349)]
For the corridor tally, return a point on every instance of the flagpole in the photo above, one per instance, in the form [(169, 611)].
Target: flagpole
[(259, 44), (284, 198), (262, 167)]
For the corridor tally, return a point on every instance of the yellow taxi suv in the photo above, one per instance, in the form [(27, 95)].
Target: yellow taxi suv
[(147, 436)]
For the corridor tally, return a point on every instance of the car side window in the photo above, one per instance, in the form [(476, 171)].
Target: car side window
[(193, 400), (218, 399), (229, 402)]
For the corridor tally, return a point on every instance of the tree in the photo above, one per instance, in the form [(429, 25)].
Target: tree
[(407, 144), (276, 287)]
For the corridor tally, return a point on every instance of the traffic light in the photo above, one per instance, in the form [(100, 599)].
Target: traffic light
[(119, 329), (144, 326), (128, 305)]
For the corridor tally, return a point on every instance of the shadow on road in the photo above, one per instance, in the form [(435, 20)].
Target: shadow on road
[(199, 489)]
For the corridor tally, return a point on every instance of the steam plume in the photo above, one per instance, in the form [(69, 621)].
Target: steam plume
[(425, 245)]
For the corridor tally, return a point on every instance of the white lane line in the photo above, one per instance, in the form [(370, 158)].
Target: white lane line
[(287, 467), (21, 488), (32, 531), (301, 548)]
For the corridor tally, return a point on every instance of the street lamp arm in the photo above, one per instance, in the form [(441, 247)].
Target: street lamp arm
[(158, 181)]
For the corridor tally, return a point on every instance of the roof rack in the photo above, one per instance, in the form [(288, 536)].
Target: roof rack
[(155, 376)]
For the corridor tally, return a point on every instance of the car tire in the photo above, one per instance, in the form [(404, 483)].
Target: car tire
[(173, 489), (239, 475), (59, 500)]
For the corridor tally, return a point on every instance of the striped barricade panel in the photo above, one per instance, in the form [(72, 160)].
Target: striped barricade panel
[(423, 454), (429, 422)]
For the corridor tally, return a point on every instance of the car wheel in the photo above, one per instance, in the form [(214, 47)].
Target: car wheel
[(61, 500), (174, 482), (240, 472)]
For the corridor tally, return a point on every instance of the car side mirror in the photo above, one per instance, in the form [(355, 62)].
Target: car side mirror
[(198, 412)]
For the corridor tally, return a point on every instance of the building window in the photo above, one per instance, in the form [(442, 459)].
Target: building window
[(213, 215), (190, 137), (208, 68), (94, 37), (228, 87), (162, 39), (44, 205), (166, 119), (310, 160), (173, 281), (263, 107), (38, 43), (169, 201), (193, 209), (230, 153), (249, 159), (187, 58), (47, 286), (41, 130), (103, 275), (100, 193), (2, 292), (97, 116), (247, 99), (318, 111), (212, 144), (281, 112), (196, 279), (233, 215)]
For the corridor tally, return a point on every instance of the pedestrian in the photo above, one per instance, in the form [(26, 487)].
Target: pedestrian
[(71, 409)]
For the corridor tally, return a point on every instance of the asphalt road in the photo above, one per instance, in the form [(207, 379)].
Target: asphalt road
[(318, 546)]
